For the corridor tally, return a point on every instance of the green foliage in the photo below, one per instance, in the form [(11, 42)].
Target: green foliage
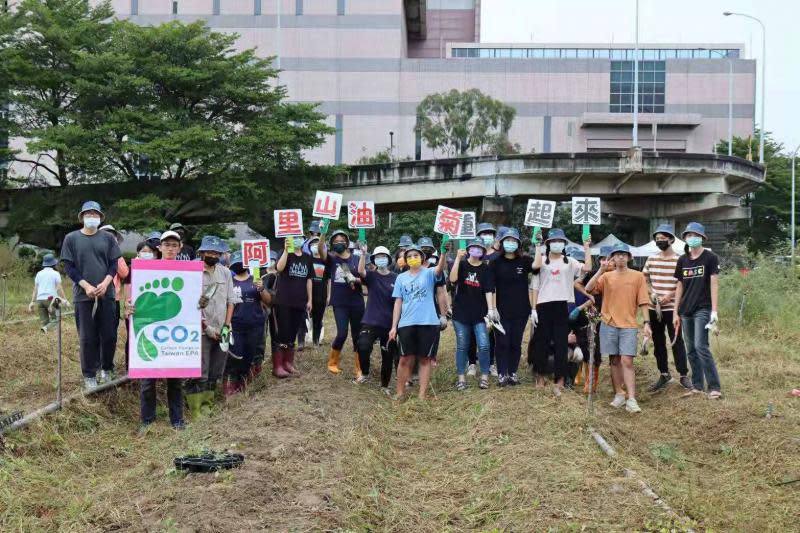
[(457, 123), (378, 158), (668, 454)]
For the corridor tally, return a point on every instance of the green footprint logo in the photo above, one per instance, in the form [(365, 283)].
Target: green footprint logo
[(152, 308)]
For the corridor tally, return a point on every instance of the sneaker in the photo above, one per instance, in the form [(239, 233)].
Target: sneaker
[(144, 429), (89, 383), (502, 381), (513, 379), (179, 426), (360, 380), (632, 406), (660, 384), (461, 386), (472, 371), (714, 395), (618, 401), (692, 393), (43, 329), (386, 391), (484, 383), (686, 383), (557, 391), (493, 371)]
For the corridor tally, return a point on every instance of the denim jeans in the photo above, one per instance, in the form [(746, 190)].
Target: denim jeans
[(347, 316), (463, 337), (695, 337)]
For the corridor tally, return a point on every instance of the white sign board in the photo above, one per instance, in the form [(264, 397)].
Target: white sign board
[(540, 213), (585, 210), (288, 223), (448, 222), (327, 205)]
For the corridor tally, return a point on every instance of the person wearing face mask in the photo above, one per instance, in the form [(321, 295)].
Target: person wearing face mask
[(217, 303), (552, 290), (147, 387), (473, 301), (377, 319), (624, 290), (319, 290), (293, 302), (510, 272), (488, 234), (107, 358), (415, 323), (400, 263), (346, 299), (596, 303), (248, 325), (659, 271), (696, 297), (90, 260)]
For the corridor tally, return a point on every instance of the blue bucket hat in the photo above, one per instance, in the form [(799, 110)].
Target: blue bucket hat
[(576, 253), (49, 260), (153, 238), (486, 227), (620, 247), (694, 227), (501, 232), (91, 205), (425, 242), (510, 233), (405, 241), (556, 234), (605, 251), (666, 229), (476, 243), (415, 248), (236, 257), (314, 227), (212, 243)]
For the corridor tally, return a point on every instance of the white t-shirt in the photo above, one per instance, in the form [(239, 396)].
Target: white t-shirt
[(556, 281), (47, 281)]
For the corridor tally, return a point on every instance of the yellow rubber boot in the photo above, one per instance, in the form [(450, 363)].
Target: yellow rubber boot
[(596, 378), (579, 376), (333, 361), (586, 378)]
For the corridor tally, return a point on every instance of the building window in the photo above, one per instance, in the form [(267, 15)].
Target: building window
[(134, 7), (215, 8), (256, 7), (175, 7), (652, 79)]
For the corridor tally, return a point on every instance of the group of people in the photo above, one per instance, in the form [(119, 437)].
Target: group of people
[(490, 289)]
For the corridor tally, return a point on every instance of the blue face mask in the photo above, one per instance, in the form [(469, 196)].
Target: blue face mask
[(298, 242), (694, 242), (488, 240), (510, 246), (382, 262), (557, 247)]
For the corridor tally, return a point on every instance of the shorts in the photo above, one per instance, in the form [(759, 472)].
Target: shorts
[(618, 341), (418, 340)]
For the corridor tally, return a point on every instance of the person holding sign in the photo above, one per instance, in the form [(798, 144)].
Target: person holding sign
[(415, 323), (510, 272), (248, 324), (624, 290), (319, 292), (293, 300), (378, 317), (552, 289), (473, 301), (345, 298)]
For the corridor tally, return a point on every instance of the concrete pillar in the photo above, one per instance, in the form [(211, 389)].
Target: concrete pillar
[(496, 209)]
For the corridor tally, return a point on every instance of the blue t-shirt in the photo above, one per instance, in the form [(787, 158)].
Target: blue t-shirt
[(417, 293), (344, 294), (380, 303)]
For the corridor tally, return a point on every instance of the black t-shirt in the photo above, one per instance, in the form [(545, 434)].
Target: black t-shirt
[(319, 287), (598, 298), (469, 303), (695, 274), (186, 253), (511, 285), (291, 283)]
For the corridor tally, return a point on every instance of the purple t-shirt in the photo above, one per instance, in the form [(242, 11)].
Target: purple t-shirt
[(342, 294), (249, 312), (380, 303)]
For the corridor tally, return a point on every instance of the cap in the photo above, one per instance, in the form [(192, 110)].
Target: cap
[(109, 228), (169, 234), (555, 234), (212, 243), (381, 250), (694, 227), (49, 260), (666, 229), (91, 205)]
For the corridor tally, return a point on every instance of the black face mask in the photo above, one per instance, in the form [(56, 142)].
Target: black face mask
[(210, 261), (339, 247), (238, 268), (662, 245)]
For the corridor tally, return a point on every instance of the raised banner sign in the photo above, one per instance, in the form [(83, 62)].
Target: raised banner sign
[(540, 213), (468, 225), (327, 205), (166, 327), (360, 214), (448, 222), (255, 250), (586, 210), (288, 223)]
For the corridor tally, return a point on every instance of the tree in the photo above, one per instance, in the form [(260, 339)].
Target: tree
[(41, 56), (457, 123)]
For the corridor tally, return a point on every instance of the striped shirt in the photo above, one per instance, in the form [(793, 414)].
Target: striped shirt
[(661, 273)]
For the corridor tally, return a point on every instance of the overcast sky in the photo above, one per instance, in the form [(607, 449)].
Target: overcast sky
[(670, 21)]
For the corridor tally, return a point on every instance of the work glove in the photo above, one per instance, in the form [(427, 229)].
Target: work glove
[(494, 315), (534, 317), (442, 323)]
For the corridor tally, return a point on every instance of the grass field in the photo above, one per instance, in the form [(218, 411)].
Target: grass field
[(325, 455)]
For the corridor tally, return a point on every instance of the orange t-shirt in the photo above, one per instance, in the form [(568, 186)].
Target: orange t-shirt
[(623, 293)]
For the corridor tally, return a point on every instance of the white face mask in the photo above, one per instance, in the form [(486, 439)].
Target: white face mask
[(315, 249), (91, 222), (145, 255), (557, 247)]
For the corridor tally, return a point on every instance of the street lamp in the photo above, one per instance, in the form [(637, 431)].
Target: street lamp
[(794, 155), (730, 96), (763, 77), (636, 81)]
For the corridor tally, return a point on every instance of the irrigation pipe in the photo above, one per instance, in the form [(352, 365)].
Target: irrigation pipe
[(53, 407), (645, 488)]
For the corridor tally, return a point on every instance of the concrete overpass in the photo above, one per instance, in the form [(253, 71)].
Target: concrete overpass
[(659, 187)]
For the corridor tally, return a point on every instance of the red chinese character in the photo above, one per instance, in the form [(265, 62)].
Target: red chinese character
[(361, 217), (329, 207), (255, 250), (289, 223), (449, 222)]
